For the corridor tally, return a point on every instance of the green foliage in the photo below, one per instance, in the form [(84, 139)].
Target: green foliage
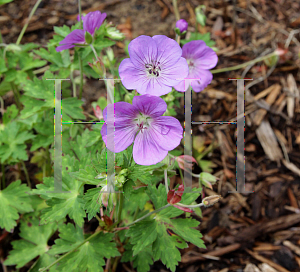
[(88, 255), (198, 36), (13, 140), (34, 243), (154, 232), (14, 199)]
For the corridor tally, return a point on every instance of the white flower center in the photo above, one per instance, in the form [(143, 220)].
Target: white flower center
[(153, 68), (142, 121)]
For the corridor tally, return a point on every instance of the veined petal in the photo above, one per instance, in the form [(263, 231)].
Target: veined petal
[(142, 50), (169, 52), (153, 86), (64, 47), (124, 112), (205, 79), (150, 105), (132, 77), (204, 57), (167, 132), (172, 75), (76, 36), (145, 149), (92, 21), (123, 136)]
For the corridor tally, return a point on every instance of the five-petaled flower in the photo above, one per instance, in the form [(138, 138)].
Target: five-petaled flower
[(155, 65), (174, 196), (200, 59), (91, 22), (153, 135)]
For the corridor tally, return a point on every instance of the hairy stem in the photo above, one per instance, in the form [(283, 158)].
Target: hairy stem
[(120, 207), (3, 176), (26, 174), (190, 206), (216, 71), (81, 76), (176, 11), (166, 180), (28, 20)]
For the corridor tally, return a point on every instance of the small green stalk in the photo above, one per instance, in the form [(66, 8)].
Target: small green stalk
[(227, 69), (26, 174), (166, 180), (120, 207), (3, 176), (176, 11), (81, 77), (28, 20), (71, 251)]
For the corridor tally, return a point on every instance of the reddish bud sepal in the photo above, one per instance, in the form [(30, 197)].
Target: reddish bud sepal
[(175, 196), (98, 112), (186, 159)]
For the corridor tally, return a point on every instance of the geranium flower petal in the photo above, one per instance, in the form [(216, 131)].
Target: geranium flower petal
[(124, 112), (169, 52), (204, 56), (76, 36), (123, 136), (167, 132), (150, 105), (142, 50), (205, 79), (132, 77), (145, 149), (172, 75), (92, 21)]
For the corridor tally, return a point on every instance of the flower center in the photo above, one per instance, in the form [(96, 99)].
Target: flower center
[(142, 122), (153, 68), (191, 64)]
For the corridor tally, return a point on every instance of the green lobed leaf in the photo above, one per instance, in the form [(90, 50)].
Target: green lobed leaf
[(14, 199), (88, 256), (34, 242)]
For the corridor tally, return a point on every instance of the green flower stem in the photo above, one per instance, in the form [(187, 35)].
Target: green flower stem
[(73, 82), (120, 207), (176, 11), (81, 76), (166, 180), (190, 206), (26, 174), (180, 172), (28, 20), (16, 95), (145, 216), (1, 39), (3, 176), (243, 65), (68, 253), (79, 12)]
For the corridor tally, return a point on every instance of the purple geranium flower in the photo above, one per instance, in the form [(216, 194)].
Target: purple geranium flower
[(155, 65), (200, 59), (91, 22), (153, 135), (182, 25)]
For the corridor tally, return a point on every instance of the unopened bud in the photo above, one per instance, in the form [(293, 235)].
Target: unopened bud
[(200, 16), (108, 197), (98, 67), (211, 200), (207, 179)]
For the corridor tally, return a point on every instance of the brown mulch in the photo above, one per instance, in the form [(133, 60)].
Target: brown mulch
[(243, 232)]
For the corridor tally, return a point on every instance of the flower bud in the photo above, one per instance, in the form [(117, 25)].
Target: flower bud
[(207, 179), (211, 200), (181, 27), (98, 67), (185, 160), (98, 112), (121, 178), (108, 198), (88, 37), (114, 33), (200, 16)]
